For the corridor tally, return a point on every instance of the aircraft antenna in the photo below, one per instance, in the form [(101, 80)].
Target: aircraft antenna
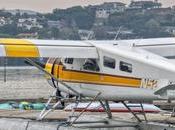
[(89, 35), (118, 32)]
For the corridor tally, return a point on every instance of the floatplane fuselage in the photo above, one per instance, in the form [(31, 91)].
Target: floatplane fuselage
[(118, 70)]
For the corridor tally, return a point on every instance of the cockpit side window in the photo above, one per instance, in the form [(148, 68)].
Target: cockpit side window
[(109, 62), (91, 64)]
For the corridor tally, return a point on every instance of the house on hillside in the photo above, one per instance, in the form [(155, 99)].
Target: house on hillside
[(144, 4), (104, 10), (28, 35), (170, 29), (5, 21), (56, 24), (86, 34), (29, 23), (162, 11), (173, 8)]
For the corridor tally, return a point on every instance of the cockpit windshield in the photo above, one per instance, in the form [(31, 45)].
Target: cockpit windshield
[(91, 64)]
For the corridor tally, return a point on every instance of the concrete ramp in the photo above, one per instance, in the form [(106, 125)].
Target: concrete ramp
[(21, 124), (26, 120)]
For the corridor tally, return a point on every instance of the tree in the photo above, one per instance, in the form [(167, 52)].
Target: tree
[(5, 14), (55, 33), (100, 33), (152, 25), (83, 17), (44, 34), (25, 15), (10, 29), (69, 34)]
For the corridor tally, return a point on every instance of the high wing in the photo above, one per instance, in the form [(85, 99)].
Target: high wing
[(161, 46), (46, 48), (148, 65)]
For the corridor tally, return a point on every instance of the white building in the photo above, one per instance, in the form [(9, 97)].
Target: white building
[(86, 34), (173, 7), (104, 10), (4, 21), (21, 20), (56, 24), (144, 4), (29, 23), (171, 30)]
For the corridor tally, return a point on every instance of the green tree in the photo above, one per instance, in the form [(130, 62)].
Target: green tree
[(69, 34), (55, 33), (10, 29), (83, 17), (152, 25), (100, 33), (5, 14), (44, 34)]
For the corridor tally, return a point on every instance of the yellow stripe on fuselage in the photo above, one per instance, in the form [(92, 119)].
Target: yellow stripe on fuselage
[(19, 48), (97, 78)]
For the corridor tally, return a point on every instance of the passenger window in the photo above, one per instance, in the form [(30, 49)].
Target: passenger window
[(109, 62), (126, 67), (69, 60)]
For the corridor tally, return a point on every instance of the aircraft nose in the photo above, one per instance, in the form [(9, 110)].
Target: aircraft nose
[(52, 66)]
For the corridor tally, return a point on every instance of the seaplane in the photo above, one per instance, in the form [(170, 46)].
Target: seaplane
[(136, 70)]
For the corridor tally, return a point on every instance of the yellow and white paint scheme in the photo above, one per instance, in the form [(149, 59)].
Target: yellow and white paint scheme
[(138, 66)]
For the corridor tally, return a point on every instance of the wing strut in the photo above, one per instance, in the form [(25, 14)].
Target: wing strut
[(77, 117), (106, 107), (134, 113), (46, 111), (5, 69)]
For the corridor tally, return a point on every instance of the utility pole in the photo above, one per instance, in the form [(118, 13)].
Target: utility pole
[(5, 72)]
